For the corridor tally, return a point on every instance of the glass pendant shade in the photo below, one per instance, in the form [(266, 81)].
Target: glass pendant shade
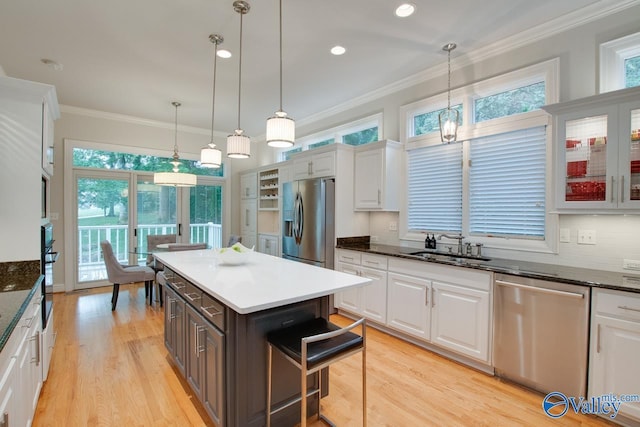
[(281, 130), (210, 157), (174, 179), (238, 145), (448, 120)]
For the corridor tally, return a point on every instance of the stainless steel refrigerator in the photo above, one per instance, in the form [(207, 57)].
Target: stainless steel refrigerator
[(308, 208)]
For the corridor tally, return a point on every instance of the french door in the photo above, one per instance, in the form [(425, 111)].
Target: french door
[(125, 207)]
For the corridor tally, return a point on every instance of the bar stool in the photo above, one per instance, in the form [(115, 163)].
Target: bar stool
[(312, 346)]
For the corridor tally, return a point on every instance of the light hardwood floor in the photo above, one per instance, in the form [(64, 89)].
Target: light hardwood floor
[(111, 369)]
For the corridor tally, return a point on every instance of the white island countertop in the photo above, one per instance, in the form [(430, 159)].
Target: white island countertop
[(263, 282)]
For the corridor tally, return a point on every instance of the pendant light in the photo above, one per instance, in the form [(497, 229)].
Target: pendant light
[(175, 178), (238, 144), (281, 130), (210, 156), (448, 118)]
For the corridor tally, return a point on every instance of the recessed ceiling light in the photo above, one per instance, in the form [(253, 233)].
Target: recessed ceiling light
[(405, 9), (223, 53), (338, 50), (52, 64)]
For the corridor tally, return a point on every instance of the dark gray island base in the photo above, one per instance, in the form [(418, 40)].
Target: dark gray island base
[(223, 354)]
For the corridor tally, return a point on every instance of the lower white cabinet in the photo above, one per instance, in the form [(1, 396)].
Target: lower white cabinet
[(369, 301), (409, 307), (268, 244), (460, 319), (21, 369), (48, 342), (615, 346)]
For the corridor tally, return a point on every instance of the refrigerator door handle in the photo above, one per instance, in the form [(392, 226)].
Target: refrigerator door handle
[(300, 220)]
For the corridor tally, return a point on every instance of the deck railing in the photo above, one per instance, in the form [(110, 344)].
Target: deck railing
[(89, 238)]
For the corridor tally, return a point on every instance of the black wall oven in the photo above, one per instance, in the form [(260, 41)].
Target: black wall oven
[(47, 258)]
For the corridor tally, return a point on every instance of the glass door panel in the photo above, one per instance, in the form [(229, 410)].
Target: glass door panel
[(102, 214), (586, 159), (156, 214), (205, 215), (634, 155)]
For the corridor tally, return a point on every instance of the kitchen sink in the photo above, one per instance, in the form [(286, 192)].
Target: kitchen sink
[(450, 257)]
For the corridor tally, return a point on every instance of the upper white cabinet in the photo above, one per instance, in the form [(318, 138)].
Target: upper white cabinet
[(597, 147), (377, 182), (314, 165), (248, 222), (249, 185), (22, 105), (615, 346)]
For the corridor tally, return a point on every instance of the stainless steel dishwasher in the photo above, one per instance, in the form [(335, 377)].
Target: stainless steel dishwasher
[(541, 333)]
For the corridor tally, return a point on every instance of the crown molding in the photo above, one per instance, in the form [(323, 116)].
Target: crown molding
[(558, 25), (96, 114)]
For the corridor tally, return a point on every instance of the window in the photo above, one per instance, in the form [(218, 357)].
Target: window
[(620, 63), (507, 184), (491, 185), (113, 160), (359, 132), (514, 101), (428, 122), (435, 188)]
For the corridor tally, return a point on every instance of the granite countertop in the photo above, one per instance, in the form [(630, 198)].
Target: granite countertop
[(19, 281), (551, 272), (262, 282)]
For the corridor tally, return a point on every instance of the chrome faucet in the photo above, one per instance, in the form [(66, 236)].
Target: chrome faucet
[(457, 237)]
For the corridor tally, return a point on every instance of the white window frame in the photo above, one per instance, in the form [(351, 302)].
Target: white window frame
[(547, 71), (612, 57), (338, 132)]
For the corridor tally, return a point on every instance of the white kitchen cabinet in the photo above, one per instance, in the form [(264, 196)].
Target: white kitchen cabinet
[(597, 146), (615, 346), (48, 342), (408, 305), (248, 221), (314, 165), (460, 319), (377, 182), (268, 244), (269, 189), (369, 301), (21, 125), (249, 185), (7, 397), (49, 111)]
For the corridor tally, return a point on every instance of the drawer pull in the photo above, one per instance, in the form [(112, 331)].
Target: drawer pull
[(624, 307), (210, 314), (190, 296)]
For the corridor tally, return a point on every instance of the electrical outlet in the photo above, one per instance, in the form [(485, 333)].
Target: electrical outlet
[(54, 216), (586, 237), (393, 226), (631, 264), (565, 235), (374, 239)]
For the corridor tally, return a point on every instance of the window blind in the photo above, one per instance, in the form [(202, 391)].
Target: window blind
[(435, 188), (507, 184)]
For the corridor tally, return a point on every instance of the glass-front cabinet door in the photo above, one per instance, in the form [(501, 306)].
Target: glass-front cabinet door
[(629, 155), (588, 158)]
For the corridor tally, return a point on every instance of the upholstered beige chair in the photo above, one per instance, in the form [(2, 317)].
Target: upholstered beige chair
[(153, 240), (121, 275)]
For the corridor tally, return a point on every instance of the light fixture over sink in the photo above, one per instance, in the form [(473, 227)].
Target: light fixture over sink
[(448, 118)]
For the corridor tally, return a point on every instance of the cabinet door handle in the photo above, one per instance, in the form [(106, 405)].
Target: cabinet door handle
[(598, 339), (624, 307), (379, 196), (426, 297), (433, 297), (310, 168), (246, 217), (200, 347), (36, 339), (621, 188), (612, 179)]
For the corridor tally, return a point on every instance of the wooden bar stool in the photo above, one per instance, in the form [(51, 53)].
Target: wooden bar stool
[(312, 346)]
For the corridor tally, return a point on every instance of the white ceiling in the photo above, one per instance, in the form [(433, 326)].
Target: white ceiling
[(134, 57)]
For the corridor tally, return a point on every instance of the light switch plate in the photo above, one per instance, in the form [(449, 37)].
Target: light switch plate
[(586, 237), (565, 235), (393, 226)]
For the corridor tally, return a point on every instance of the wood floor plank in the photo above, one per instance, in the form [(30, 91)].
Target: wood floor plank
[(112, 369)]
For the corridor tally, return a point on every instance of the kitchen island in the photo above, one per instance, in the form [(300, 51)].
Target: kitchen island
[(217, 317)]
